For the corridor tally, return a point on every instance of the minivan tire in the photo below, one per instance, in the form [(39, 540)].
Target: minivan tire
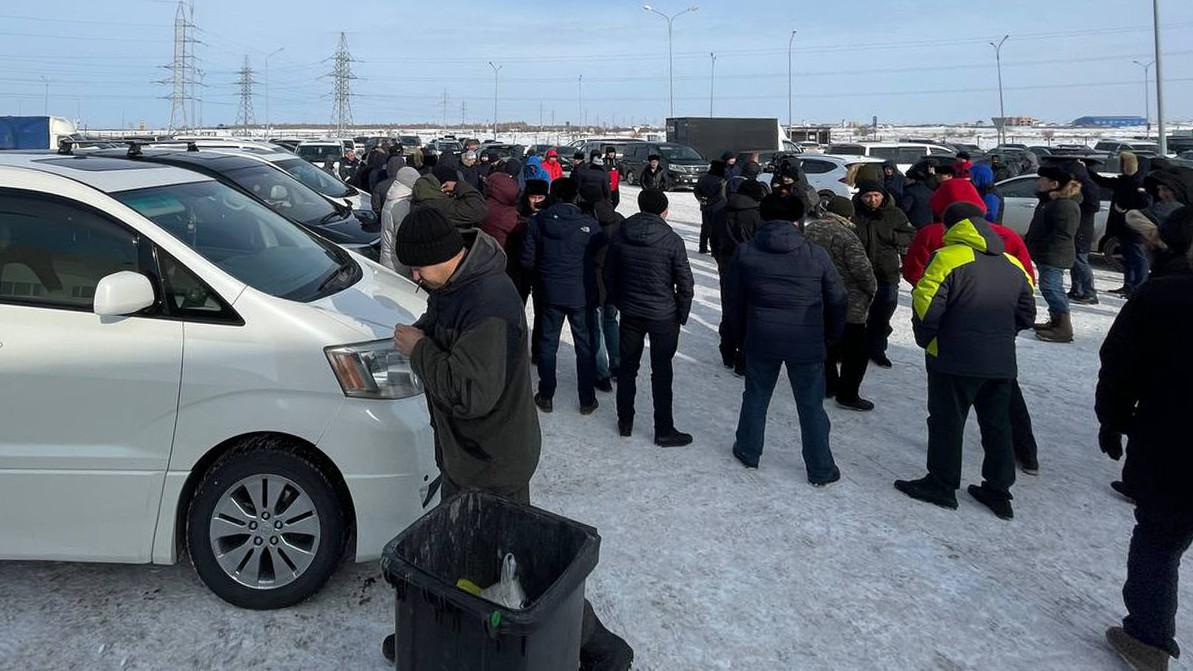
[(273, 461)]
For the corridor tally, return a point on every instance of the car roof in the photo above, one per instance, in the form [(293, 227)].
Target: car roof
[(841, 158), (106, 173), (310, 143)]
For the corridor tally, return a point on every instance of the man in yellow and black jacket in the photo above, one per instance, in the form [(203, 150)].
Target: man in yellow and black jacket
[(967, 310)]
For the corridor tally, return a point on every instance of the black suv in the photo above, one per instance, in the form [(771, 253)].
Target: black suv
[(277, 189), (684, 166)]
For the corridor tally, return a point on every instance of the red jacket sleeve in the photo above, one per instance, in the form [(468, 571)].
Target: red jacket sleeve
[(1017, 248), (927, 240)]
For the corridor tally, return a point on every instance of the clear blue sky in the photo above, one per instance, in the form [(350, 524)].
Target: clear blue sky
[(902, 60)]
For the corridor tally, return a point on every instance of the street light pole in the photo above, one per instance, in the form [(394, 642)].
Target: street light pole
[(269, 119), (1147, 95), (580, 103), (1159, 80), (790, 44), (496, 70), (712, 78), (1002, 111), (46, 101), (670, 54)]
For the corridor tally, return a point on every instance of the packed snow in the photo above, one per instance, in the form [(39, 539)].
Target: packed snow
[(704, 565)]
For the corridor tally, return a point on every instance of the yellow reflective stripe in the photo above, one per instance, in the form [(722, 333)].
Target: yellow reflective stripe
[(944, 262), (933, 348), (1019, 264), (965, 233)]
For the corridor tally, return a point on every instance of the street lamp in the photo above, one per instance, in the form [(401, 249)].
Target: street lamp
[(1147, 96), (790, 43), (580, 102), (46, 101), (496, 70), (1159, 79), (712, 78), (268, 119), (1002, 112), (670, 54)]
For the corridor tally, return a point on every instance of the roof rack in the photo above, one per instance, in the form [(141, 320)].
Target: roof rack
[(134, 146)]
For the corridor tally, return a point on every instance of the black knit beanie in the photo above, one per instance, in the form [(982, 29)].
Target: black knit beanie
[(653, 201), (841, 206), (537, 187), (564, 190), (958, 212), (446, 173), (782, 208), (426, 238)]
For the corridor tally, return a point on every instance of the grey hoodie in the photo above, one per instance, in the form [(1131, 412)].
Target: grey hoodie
[(397, 206)]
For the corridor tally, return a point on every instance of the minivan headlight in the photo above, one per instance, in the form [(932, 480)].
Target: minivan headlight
[(374, 370)]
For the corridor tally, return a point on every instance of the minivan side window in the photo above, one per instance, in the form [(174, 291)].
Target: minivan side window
[(53, 253), (188, 297)]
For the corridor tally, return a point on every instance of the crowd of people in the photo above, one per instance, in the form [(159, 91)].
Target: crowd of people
[(810, 282)]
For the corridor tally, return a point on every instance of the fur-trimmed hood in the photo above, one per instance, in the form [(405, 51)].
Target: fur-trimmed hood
[(1072, 191)]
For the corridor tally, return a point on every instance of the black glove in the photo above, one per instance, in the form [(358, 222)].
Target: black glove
[(1111, 443)]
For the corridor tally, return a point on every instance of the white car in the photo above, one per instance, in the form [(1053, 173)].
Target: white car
[(1019, 205), (183, 367), (321, 151), (315, 178), (832, 171), (904, 154)]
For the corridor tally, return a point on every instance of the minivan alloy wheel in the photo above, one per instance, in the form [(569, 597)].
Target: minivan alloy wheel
[(264, 531)]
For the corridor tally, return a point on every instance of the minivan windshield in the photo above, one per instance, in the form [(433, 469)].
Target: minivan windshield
[(246, 239), (320, 152), (316, 178), (283, 193), (679, 152)]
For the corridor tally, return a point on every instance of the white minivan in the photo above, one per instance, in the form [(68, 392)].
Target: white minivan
[(181, 367)]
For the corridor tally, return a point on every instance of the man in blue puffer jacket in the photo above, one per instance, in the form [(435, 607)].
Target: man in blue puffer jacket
[(787, 299), (559, 251)]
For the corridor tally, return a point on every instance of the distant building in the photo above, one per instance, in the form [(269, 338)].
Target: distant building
[(1015, 121), (1109, 121)]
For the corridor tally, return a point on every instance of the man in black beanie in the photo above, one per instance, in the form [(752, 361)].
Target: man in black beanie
[(710, 193), (787, 300), (559, 251), (648, 278)]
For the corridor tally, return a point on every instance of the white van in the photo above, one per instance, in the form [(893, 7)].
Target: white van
[(182, 367), (904, 154)]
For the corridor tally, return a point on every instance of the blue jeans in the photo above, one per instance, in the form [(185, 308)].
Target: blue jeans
[(1135, 263), (579, 320), (1052, 286), (606, 334), (807, 383), (1083, 276)]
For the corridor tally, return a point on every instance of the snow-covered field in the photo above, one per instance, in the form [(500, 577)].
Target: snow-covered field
[(707, 566)]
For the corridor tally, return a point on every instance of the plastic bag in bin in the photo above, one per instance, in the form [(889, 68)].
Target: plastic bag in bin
[(508, 591)]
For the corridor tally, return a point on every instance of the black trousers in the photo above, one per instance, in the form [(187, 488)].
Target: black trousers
[(847, 361), (1023, 438), (878, 323), (708, 215), (664, 341), (949, 399), (1162, 535)]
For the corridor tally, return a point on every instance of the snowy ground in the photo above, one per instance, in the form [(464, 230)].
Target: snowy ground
[(705, 565)]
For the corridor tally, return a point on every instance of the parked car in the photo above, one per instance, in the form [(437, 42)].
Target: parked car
[(277, 189), (319, 180), (683, 164), (409, 143), (448, 147), (834, 172), (973, 150), (230, 379), (501, 152), (1040, 150), (904, 155), (290, 144), (1020, 200), (320, 151), (1119, 146)]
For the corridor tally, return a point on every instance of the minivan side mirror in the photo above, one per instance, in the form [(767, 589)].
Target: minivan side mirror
[(122, 294)]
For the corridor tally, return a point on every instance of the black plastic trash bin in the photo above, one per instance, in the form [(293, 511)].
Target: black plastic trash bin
[(443, 628)]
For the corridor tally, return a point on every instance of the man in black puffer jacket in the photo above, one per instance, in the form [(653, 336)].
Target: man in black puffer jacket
[(710, 192), (787, 300), (736, 225), (886, 234), (593, 175), (649, 280), (559, 249)]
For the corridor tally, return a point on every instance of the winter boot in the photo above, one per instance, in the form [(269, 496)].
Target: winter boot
[(625, 428), (1123, 491), (857, 404), (834, 477), (1048, 325), (1061, 332), (1137, 654), (387, 648), (588, 409), (999, 504), (545, 404), (927, 491), (672, 438)]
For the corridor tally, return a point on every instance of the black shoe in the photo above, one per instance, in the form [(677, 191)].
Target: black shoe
[(881, 361), (1137, 654), (1121, 291), (606, 651), (387, 649), (591, 408), (545, 404), (998, 504), (604, 384), (1121, 487), (1031, 467), (745, 461), (672, 438), (1085, 300), (835, 477), (924, 490), (858, 404), (1073, 294), (625, 429)]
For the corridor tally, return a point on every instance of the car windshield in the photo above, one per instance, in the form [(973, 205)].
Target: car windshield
[(283, 193), (851, 149), (315, 178), (245, 239), (320, 152), (679, 152), (410, 140)]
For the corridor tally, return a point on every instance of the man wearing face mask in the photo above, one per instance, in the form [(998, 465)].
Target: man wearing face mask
[(469, 349)]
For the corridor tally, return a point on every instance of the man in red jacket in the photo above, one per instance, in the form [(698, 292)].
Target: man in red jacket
[(931, 238), (552, 165)]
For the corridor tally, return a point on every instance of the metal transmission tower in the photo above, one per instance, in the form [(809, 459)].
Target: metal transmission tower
[(244, 117), (341, 74), (183, 69)]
